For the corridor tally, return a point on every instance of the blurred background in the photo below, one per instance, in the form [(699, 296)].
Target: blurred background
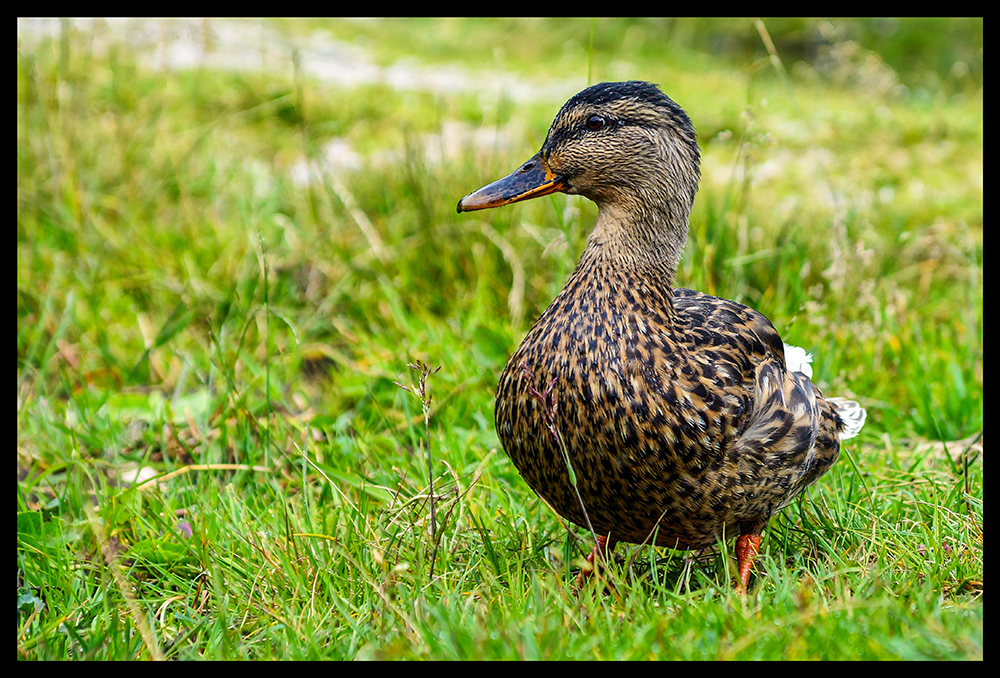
[(234, 235)]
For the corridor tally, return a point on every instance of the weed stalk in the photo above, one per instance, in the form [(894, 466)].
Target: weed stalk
[(547, 399), (420, 390)]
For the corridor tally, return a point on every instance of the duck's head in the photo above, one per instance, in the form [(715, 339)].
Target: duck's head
[(625, 145)]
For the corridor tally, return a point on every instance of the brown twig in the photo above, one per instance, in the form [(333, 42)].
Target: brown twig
[(420, 390)]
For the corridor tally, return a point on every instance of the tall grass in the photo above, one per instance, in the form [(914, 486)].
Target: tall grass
[(223, 456)]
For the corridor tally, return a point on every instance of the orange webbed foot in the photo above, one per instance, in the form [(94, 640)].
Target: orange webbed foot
[(747, 547)]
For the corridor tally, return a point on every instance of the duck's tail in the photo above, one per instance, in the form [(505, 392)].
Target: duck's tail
[(852, 414), (849, 411)]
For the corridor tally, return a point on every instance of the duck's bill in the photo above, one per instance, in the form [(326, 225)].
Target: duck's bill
[(531, 180)]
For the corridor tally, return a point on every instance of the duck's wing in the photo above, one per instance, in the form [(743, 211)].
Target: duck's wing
[(777, 455), (732, 317), (789, 437)]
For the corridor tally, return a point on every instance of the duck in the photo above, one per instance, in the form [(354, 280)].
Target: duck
[(644, 412)]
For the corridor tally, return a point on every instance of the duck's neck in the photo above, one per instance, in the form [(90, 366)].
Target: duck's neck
[(639, 240)]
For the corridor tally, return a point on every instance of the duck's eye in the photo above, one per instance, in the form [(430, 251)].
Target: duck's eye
[(596, 122)]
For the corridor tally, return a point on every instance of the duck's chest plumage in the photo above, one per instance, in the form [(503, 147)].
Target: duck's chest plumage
[(651, 386)]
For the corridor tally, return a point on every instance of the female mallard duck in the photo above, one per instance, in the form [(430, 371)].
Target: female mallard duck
[(680, 414)]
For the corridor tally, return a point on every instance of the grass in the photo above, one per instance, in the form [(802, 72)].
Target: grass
[(215, 461)]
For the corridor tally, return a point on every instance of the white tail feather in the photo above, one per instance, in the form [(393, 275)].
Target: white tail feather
[(797, 360), (851, 413)]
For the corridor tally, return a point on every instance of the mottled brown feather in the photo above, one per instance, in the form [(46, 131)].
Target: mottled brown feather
[(676, 408)]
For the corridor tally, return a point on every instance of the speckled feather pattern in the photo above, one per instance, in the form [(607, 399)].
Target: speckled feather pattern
[(674, 405), (678, 413)]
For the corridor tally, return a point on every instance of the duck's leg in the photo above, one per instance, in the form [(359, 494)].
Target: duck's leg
[(747, 547), (602, 549)]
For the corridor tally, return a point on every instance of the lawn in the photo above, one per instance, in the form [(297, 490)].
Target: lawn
[(234, 238)]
